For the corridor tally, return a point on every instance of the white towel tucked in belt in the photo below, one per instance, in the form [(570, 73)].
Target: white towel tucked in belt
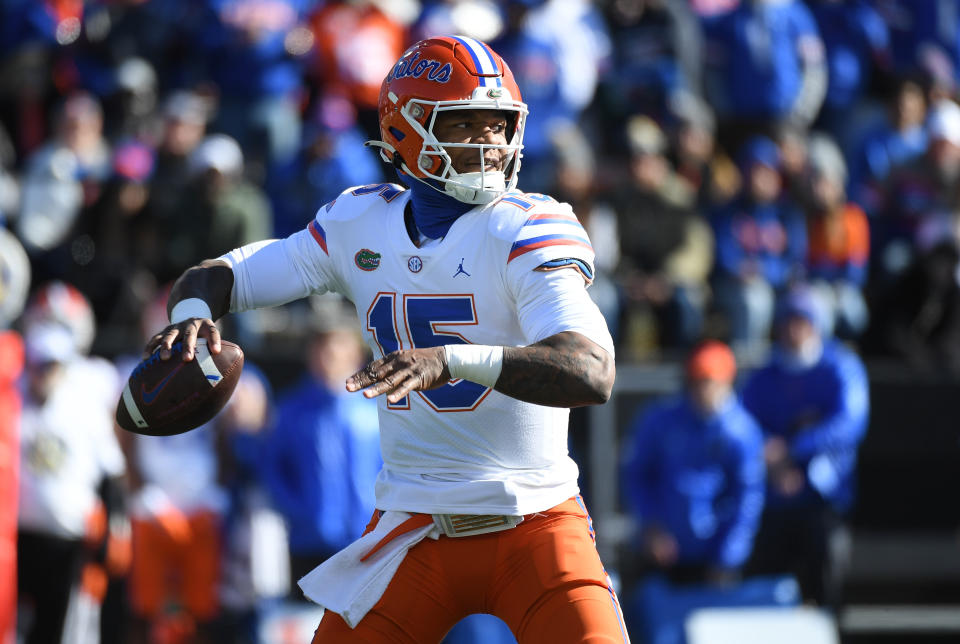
[(346, 585)]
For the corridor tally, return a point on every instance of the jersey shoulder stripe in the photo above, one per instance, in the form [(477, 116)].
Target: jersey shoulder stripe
[(549, 229), (319, 235), (509, 214), (521, 248), (552, 218)]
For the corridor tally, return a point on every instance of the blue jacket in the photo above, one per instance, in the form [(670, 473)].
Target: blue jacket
[(245, 66), (772, 236), (856, 38), (298, 186), (534, 61), (699, 478), (320, 463), (821, 412), (883, 150), (758, 52), (916, 25)]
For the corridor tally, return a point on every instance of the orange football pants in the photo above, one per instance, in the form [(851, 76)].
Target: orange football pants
[(182, 569), (543, 578)]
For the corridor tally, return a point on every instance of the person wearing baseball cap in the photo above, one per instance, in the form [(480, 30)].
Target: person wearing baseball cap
[(812, 401), (693, 477)]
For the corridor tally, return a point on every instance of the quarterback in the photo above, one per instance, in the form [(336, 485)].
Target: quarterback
[(472, 297)]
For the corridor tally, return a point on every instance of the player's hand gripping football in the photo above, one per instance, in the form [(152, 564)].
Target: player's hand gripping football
[(186, 332), (400, 372)]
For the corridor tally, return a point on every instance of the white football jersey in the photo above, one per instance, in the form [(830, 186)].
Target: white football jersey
[(67, 447), (461, 448)]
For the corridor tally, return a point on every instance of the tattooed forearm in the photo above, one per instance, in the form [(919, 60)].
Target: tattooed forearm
[(564, 370)]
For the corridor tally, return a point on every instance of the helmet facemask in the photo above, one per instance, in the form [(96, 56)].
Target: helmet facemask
[(435, 164)]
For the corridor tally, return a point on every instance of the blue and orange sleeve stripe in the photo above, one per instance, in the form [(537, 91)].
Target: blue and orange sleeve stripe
[(558, 230), (319, 235)]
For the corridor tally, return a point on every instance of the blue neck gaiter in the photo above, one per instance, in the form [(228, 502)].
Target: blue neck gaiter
[(433, 212)]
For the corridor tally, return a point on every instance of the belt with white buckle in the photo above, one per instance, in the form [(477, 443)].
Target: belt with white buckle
[(465, 525)]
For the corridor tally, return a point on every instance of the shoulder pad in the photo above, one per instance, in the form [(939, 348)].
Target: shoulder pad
[(510, 212), (543, 234), (549, 227), (353, 202)]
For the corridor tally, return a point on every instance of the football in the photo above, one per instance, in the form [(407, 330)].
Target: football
[(166, 397)]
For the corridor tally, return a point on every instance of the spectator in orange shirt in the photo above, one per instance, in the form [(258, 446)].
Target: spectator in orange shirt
[(838, 238), (356, 44)]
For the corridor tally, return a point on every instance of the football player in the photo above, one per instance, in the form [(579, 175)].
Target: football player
[(472, 296)]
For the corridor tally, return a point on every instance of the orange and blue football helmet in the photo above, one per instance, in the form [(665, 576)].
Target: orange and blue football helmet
[(440, 74)]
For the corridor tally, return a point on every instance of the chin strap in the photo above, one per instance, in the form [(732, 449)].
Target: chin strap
[(469, 190)]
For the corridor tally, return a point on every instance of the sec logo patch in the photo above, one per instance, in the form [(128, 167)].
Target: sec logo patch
[(414, 264)]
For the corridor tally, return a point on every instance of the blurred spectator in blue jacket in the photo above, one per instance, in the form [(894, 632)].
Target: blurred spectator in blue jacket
[(812, 401), (255, 565), (656, 54), (889, 145), (579, 35), (764, 66), (922, 30), (857, 43), (26, 22), (693, 475), (254, 50), (761, 245), (480, 19), (331, 155), (556, 50), (918, 192), (324, 451)]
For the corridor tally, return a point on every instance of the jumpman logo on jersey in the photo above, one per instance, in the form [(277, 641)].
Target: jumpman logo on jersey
[(460, 269)]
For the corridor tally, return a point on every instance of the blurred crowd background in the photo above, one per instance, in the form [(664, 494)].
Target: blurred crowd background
[(781, 177)]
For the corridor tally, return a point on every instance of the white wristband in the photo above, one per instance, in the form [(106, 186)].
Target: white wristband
[(192, 307), (477, 363)]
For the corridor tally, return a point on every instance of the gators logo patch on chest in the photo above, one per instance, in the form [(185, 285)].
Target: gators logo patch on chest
[(366, 259)]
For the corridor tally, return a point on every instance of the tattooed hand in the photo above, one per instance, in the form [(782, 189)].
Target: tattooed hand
[(401, 372)]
